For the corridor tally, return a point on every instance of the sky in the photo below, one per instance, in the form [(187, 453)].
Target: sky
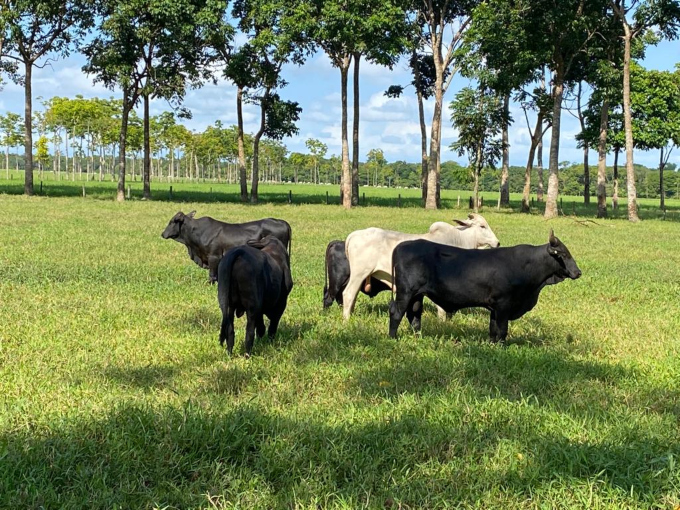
[(388, 124)]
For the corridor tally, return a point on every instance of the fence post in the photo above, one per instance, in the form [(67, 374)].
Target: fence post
[(129, 191), (290, 196), (326, 197), (458, 202), (83, 191), (560, 202), (41, 187), (399, 200), (170, 192), (532, 201), (364, 198), (470, 203), (481, 202)]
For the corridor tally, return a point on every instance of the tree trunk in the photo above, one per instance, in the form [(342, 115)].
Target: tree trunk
[(147, 150), (553, 179), (536, 137), (662, 193), (615, 193), (602, 162), (355, 131), (256, 148), (539, 170), (423, 132), (346, 170), (478, 171), (505, 183), (28, 125), (628, 127), (434, 165), (7, 161), (120, 195), (241, 147)]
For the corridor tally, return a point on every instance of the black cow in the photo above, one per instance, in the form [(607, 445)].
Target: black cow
[(336, 276), (253, 279), (505, 281), (207, 239)]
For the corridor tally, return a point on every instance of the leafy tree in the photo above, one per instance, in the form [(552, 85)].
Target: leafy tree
[(655, 107), (42, 152), (435, 19), (32, 29), (664, 15), (478, 114), (422, 68), (318, 150), (347, 30), (12, 133)]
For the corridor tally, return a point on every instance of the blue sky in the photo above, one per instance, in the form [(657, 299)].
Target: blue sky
[(387, 124)]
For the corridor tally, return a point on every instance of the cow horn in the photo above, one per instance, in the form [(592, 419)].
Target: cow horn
[(471, 216), (462, 223)]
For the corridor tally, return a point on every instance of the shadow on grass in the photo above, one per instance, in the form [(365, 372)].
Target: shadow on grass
[(291, 193), (189, 457)]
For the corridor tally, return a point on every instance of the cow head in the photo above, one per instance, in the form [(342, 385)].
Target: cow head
[(477, 227), (559, 252), (174, 228)]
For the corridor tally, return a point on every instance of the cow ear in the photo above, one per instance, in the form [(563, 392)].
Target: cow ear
[(462, 223), (471, 216), (191, 214)]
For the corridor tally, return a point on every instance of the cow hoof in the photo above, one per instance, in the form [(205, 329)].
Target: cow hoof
[(246, 355)]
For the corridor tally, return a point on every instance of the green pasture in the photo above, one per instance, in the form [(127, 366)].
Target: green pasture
[(116, 394)]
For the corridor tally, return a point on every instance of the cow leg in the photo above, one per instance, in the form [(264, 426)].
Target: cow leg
[(273, 325), (498, 327), (213, 263), (493, 327), (414, 312), (397, 310), (349, 295), (502, 325), (251, 324), (260, 327)]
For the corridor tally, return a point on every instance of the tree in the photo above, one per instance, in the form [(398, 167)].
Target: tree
[(42, 152), (32, 29), (665, 16), (478, 114), (274, 39), (375, 160), (564, 31), (422, 68), (655, 109), (345, 31), (12, 133), (318, 150), (152, 51), (435, 19)]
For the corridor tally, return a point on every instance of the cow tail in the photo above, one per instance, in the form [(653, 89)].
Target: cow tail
[(225, 283), (393, 280), (290, 242), (325, 269)]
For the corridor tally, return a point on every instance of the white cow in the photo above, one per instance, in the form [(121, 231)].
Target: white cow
[(369, 251)]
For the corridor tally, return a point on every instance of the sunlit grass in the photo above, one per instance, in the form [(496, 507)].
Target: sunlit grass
[(115, 391)]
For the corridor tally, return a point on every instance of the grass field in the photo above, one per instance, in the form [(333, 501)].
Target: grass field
[(116, 394)]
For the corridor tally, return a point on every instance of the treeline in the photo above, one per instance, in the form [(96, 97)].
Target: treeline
[(542, 55)]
